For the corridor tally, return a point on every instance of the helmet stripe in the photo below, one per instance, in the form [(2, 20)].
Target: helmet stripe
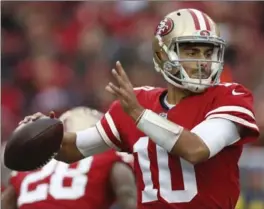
[(206, 19), (200, 19), (195, 20)]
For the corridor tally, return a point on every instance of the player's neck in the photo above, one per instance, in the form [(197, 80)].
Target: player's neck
[(175, 95)]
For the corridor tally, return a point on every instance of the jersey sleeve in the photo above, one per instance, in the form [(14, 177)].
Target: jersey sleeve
[(235, 103), (108, 126), (115, 125)]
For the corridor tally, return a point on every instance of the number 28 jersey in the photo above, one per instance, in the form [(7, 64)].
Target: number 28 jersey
[(167, 181), (81, 185)]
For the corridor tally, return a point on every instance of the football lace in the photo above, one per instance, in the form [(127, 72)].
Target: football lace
[(45, 162)]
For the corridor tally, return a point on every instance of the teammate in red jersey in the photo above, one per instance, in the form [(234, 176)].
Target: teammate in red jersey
[(94, 182), (187, 138)]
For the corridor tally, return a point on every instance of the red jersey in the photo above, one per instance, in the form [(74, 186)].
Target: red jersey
[(81, 185), (168, 181)]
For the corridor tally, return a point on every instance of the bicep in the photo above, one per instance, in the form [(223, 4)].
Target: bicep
[(9, 198), (217, 133), (123, 184)]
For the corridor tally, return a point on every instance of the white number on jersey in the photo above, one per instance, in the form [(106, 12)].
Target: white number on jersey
[(149, 194), (145, 88), (57, 172)]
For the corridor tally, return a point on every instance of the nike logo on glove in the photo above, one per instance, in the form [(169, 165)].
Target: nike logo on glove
[(237, 93)]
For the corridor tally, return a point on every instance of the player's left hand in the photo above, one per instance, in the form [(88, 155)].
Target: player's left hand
[(124, 92)]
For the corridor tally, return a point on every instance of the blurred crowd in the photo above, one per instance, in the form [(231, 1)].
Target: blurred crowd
[(57, 55)]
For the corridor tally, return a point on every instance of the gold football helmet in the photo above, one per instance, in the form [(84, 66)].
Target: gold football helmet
[(187, 26)]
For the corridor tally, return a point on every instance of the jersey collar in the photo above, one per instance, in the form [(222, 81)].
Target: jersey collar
[(164, 102)]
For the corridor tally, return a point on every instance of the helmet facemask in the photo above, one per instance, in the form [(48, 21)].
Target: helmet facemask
[(172, 67)]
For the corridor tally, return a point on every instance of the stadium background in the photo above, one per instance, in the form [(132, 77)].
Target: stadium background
[(57, 55)]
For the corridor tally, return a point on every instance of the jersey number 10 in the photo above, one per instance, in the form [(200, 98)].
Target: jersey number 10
[(150, 194)]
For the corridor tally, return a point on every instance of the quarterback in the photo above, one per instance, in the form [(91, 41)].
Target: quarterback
[(186, 138)]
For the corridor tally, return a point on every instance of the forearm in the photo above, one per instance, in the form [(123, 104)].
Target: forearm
[(127, 199), (191, 147), (76, 146), (172, 137), (9, 198), (69, 152), (123, 184), (204, 141)]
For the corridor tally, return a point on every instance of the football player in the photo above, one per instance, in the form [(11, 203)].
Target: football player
[(94, 182), (187, 138)]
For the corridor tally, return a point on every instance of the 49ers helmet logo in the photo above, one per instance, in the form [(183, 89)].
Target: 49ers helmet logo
[(204, 33), (164, 27)]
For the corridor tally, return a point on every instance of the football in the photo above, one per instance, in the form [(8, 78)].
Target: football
[(32, 145)]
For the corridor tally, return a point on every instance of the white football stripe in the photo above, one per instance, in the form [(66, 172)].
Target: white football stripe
[(232, 109), (234, 119), (105, 137), (112, 126)]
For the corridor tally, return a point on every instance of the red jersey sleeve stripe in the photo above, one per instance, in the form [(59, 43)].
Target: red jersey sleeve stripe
[(107, 135), (238, 109)]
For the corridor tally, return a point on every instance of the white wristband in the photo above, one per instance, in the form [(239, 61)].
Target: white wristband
[(160, 130)]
